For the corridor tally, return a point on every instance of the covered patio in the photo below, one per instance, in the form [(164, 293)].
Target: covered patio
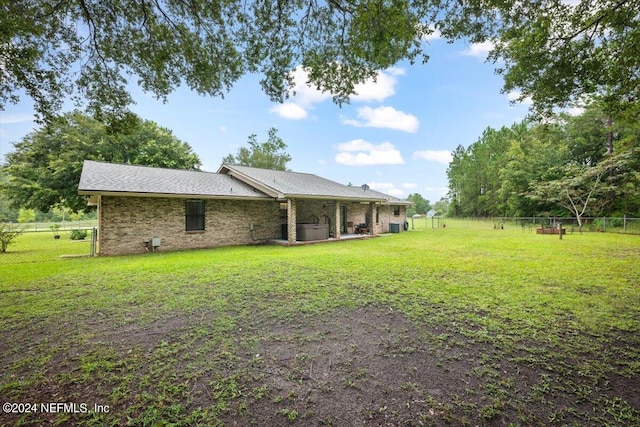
[(314, 209), (343, 237)]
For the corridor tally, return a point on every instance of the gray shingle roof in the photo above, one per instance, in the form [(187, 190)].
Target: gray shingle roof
[(390, 199), (296, 184), (99, 177), (231, 181)]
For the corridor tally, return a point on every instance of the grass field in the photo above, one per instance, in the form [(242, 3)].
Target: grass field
[(39, 247), (465, 325)]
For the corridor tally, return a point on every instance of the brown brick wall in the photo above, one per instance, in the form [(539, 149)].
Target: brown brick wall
[(386, 216), (356, 213), (127, 222), (321, 211)]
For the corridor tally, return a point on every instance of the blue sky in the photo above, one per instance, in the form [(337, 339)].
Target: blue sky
[(396, 135)]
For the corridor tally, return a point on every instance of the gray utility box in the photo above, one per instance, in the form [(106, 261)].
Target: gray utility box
[(394, 228)]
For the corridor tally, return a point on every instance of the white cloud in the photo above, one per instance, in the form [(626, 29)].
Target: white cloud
[(363, 153), (380, 186), (289, 110), (386, 187), (434, 35), (303, 97), (479, 50), (438, 156), (396, 192), (6, 119), (514, 95), (438, 191), (385, 117), (306, 95), (409, 185), (380, 88)]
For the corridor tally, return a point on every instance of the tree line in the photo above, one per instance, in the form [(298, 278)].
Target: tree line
[(584, 165), (41, 174)]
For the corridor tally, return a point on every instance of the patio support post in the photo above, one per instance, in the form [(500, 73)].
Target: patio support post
[(337, 222), (291, 221), (99, 209), (371, 209)]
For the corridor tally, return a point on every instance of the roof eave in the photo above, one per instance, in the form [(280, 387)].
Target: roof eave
[(171, 195), (398, 202), (331, 197)]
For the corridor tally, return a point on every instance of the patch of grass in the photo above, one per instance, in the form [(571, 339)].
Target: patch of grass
[(290, 414), (529, 327), (41, 247)]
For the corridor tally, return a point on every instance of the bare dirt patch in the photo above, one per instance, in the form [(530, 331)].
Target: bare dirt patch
[(370, 365)]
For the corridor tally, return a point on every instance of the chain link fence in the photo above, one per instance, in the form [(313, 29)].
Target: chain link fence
[(45, 242), (589, 224)]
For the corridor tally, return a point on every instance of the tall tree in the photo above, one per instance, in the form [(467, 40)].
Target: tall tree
[(576, 190), (270, 154), (457, 180), (7, 212), (553, 51), (44, 168), (26, 215), (592, 134), (441, 206), (474, 174), (532, 158), (522, 170), (420, 204), (626, 163), (89, 48)]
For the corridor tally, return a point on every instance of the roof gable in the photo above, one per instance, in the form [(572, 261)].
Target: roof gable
[(285, 184)]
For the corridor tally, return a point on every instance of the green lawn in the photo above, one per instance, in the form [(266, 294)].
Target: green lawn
[(39, 247), (464, 325)]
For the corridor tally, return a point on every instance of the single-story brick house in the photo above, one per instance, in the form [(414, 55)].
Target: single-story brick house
[(144, 208)]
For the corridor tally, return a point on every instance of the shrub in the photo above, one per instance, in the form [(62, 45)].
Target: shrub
[(78, 234), (8, 233)]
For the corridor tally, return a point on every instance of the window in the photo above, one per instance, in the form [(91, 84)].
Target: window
[(194, 215), (396, 211)]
